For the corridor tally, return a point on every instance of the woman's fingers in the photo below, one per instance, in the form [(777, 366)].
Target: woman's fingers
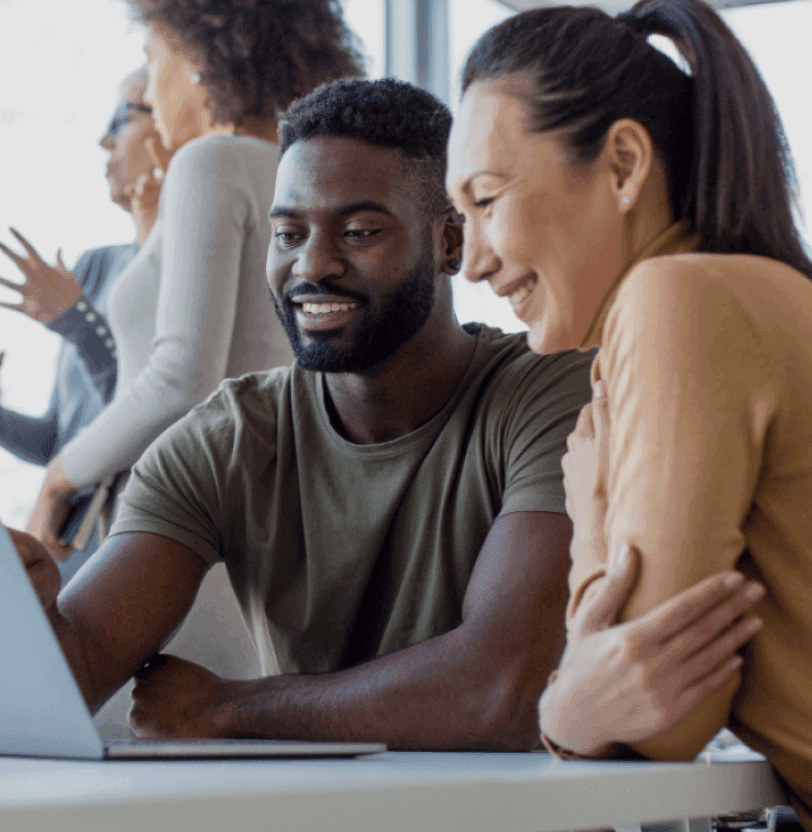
[(696, 693), (720, 649), (25, 244), (12, 254), (10, 284), (14, 307), (715, 622), (600, 608), (677, 613)]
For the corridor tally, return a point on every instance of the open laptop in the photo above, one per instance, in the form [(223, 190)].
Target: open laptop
[(43, 713)]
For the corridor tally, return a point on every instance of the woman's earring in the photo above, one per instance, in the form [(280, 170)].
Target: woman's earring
[(625, 199), (195, 77)]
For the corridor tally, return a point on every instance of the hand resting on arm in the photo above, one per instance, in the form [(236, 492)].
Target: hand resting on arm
[(621, 683)]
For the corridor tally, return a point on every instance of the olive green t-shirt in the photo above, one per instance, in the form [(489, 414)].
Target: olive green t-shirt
[(341, 552)]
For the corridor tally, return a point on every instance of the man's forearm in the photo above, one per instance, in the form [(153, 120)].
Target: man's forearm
[(435, 695), (71, 643)]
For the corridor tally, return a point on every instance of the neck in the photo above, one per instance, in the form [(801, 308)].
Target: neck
[(406, 390), (144, 219), (258, 128)]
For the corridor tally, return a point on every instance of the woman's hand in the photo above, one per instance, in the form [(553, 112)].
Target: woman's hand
[(626, 683), (586, 471), (51, 510), (47, 291)]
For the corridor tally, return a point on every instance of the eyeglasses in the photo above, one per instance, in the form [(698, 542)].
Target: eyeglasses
[(122, 116)]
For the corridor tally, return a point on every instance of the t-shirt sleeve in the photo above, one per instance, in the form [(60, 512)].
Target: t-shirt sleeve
[(178, 488), (691, 389), (543, 402), (204, 219)]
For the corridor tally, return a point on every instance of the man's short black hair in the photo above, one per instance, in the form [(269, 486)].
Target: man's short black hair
[(386, 113)]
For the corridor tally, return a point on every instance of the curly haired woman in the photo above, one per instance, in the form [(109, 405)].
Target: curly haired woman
[(192, 308)]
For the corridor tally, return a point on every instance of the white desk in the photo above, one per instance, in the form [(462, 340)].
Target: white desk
[(393, 792)]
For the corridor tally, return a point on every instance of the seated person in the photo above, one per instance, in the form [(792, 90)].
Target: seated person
[(75, 304), (390, 509)]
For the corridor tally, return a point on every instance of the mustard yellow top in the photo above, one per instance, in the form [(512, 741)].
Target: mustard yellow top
[(707, 360)]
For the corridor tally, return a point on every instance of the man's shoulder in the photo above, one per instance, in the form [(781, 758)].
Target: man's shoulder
[(513, 373), (248, 402)]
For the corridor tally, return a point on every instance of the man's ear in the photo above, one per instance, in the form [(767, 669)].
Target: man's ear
[(452, 240), (630, 153)]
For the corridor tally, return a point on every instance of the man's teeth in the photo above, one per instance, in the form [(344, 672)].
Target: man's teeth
[(522, 293), (324, 308)]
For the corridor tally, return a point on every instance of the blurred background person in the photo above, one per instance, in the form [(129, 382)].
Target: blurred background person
[(74, 305), (193, 307)]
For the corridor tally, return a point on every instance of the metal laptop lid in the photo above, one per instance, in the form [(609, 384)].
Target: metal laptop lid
[(42, 712)]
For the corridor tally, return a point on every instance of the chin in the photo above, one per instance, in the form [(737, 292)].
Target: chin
[(545, 341)]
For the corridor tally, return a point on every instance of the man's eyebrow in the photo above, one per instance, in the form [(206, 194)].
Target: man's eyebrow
[(365, 205), (283, 212), (354, 208)]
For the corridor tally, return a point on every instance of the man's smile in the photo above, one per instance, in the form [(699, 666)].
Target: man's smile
[(319, 312)]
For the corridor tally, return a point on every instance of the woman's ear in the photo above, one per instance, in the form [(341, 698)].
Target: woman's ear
[(452, 241), (630, 154)]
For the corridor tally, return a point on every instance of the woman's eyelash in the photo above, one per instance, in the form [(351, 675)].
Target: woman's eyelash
[(482, 203)]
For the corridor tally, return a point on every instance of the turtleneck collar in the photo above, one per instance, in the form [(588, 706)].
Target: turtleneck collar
[(674, 240)]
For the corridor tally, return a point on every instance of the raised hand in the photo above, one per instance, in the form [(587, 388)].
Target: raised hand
[(624, 683), (47, 291)]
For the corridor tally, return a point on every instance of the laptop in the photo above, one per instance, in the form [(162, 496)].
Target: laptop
[(43, 713)]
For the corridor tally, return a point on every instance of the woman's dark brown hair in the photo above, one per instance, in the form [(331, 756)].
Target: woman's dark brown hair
[(257, 56), (717, 130)]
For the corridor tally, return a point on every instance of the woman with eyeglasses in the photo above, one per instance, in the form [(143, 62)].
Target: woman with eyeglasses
[(74, 304), (193, 308), (52, 295), (649, 206)]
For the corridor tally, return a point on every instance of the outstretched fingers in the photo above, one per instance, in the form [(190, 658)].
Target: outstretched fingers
[(25, 244), (12, 254)]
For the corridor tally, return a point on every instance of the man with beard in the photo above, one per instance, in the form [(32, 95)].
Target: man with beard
[(390, 509)]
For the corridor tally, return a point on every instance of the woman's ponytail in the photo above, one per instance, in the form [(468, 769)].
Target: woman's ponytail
[(715, 127)]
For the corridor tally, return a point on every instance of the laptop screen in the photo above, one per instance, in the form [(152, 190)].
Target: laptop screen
[(42, 712)]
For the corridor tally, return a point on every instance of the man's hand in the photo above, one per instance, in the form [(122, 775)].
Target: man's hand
[(586, 471), (42, 571), (51, 510), (629, 682), (173, 698), (47, 290)]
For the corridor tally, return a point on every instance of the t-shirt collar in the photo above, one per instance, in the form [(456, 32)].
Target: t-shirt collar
[(674, 240)]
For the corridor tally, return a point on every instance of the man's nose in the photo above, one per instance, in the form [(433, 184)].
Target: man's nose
[(318, 258), (107, 142)]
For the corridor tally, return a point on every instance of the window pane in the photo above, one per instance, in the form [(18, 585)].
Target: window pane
[(468, 20), (367, 19), (777, 37)]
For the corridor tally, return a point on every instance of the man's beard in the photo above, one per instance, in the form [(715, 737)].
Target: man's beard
[(377, 334)]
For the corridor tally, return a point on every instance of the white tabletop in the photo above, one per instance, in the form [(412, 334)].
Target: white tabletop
[(395, 792)]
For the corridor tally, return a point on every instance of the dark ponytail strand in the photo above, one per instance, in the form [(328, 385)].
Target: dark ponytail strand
[(717, 131), (742, 188)]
